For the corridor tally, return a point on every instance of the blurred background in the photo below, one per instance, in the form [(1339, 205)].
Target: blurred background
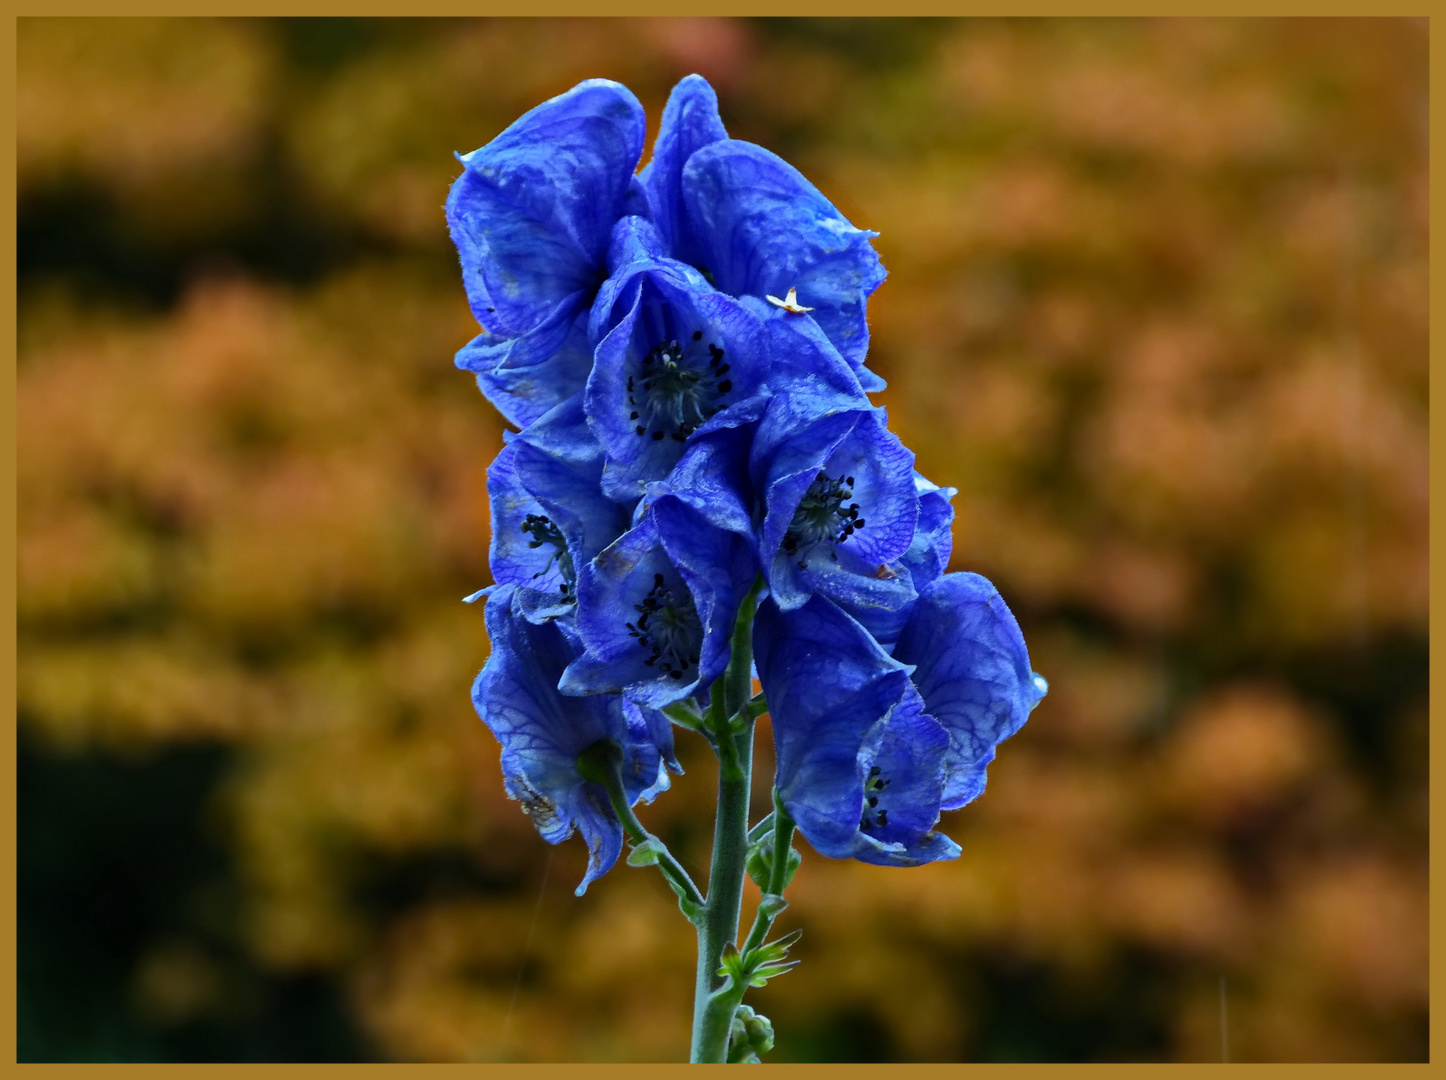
[(1157, 307)]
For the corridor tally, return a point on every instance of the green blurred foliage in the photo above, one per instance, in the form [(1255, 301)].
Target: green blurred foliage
[(1157, 306)]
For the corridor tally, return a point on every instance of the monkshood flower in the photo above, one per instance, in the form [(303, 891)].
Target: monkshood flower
[(860, 767), (755, 225), (722, 470), (673, 356), (542, 733), (549, 515), (656, 608), (871, 747), (840, 511), (531, 216), (533, 211)]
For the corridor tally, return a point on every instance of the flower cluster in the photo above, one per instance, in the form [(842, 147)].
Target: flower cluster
[(683, 350)]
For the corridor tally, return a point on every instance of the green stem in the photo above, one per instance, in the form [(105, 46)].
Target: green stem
[(713, 1023), (725, 902), (732, 724), (778, 876)]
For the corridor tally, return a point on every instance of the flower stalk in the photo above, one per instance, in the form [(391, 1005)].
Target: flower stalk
[(712, 1018)]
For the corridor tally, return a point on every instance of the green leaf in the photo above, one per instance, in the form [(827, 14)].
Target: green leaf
[(684, 715), (646, 853), (763, 974), (772, 904), (732, 962), (691, 909), (759, 865)]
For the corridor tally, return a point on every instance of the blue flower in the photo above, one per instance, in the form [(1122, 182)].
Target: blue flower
[(872, 746), (860, 767), (542, 733), (675, 356), (971, 668), (840, 511), (656, 608), (549, 516), (755, 225), (722, 471), (528, 548), (531, 216)]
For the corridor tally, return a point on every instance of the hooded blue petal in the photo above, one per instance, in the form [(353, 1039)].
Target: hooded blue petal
[(533, 209), (712, 477), (841, 708), (542, 733), (904, 777), (635, 246), (972, 671), (560, 464), (928, 554), (563, 433), (807, 378), (762, 229), (690, 122)]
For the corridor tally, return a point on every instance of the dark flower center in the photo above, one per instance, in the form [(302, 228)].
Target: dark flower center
[(822, 516), (874, 815), (543, 531), (669, 628), (677, 388)]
